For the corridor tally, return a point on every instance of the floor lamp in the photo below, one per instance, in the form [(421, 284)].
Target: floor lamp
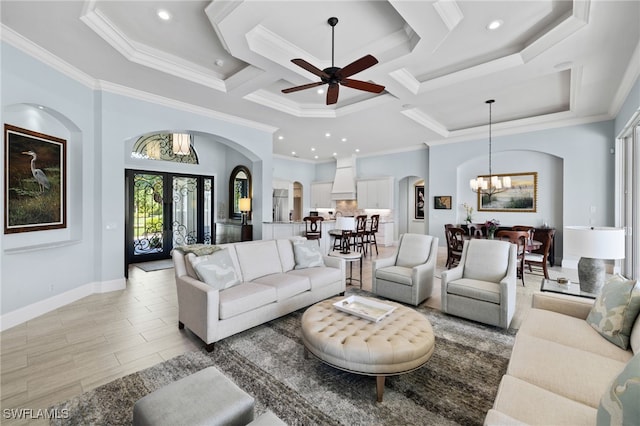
[(593, 245)]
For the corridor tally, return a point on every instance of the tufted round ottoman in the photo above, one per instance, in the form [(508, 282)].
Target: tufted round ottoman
[(397, 344)]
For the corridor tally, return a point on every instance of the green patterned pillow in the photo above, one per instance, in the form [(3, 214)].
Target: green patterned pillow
[(615, 310), (198, 249), (620, 404), (216, 269), (307, 254)]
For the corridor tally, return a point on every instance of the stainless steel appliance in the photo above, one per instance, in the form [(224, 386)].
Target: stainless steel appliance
[(280, 205)]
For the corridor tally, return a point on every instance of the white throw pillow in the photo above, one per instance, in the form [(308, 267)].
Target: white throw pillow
[(307, 254), (216, 270)]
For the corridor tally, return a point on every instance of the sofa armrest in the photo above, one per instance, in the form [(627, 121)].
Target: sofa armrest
[(198, 307), (578, 307)]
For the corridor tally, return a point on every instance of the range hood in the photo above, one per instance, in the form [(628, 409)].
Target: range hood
[(344, 183)]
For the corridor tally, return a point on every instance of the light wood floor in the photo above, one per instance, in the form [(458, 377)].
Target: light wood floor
[(106, 336)]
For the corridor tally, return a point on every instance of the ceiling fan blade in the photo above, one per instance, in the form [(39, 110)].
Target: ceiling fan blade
[(362, 85), (357, 66), (332, 94), (311, 68), (303, 87)]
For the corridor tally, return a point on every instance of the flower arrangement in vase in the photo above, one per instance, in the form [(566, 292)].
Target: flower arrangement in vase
[(492, 227), (469, 211)]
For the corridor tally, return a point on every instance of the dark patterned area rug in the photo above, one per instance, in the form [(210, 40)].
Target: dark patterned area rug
[(456, 386)]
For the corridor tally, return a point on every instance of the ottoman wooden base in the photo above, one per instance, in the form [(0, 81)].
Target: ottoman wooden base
[(398, 344)]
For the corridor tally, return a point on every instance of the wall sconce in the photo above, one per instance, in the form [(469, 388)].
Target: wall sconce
[(181, 143), (244, 205), (593, 244)]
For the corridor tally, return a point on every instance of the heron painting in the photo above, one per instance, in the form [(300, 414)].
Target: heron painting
[(35, 187)]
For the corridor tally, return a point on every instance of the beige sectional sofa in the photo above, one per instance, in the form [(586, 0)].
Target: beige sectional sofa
[(269, 286), (560, 366)]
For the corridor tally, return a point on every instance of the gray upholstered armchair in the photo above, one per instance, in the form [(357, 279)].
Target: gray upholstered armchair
[(483, 286), (407, 276)]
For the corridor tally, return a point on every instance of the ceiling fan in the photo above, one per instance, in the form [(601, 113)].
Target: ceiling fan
[(334, 76)]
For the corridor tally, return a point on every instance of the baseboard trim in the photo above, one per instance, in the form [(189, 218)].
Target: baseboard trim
[(22, 315)]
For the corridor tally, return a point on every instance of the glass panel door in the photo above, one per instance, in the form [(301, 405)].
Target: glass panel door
[(147, 216), (166, 210), (185, 211)]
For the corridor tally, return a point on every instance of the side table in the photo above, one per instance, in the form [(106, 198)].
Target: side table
[(570, 288), (350, 257)]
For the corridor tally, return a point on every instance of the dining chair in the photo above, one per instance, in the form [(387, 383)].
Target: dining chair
[(520, 239), (538, 258), (313, 227), (527, 228), (455, 242)]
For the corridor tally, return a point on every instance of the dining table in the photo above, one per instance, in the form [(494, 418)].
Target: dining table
[(531, 243)]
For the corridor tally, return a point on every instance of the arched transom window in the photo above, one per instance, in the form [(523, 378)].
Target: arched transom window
[(175, 147)]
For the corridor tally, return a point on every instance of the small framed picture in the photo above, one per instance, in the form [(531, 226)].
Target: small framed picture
[(442, 202), (419, 208)]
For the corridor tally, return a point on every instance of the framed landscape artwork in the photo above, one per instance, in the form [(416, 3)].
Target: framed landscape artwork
[(520, 197), (419, 209), (442, 202), (35, 181)]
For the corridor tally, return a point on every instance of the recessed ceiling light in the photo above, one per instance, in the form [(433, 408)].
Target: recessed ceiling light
[(343, 139), (40, 107), (335, 153), (280, 137), (313, 149), (164, 15), (320, 91), (315, 156), (293, 153), (357, 150), (327, 135), (495, 24), (219, 62)]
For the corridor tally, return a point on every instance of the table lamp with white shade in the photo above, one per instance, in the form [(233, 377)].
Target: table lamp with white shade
[(593, 245), (244, 205)]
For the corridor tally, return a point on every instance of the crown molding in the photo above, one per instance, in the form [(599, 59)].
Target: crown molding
[(27, 46), (631, 75), (182, 106), (449, 12), (147, 56)]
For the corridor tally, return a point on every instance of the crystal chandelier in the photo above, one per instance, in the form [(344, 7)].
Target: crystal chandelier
[(487, 186)]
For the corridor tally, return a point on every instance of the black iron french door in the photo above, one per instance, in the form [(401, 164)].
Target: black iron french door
[(166, 210)]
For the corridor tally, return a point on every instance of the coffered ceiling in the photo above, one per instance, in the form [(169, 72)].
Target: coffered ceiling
[(549, 63)]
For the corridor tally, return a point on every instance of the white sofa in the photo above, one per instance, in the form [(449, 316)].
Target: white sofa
[(560, 366), (269, 287)]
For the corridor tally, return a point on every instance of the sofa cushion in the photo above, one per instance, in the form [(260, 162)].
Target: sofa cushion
[(475, 289), (307, 254), (486, 260), (573, 373), (285, 250), (319, 277), (396, 274), (620, 404), (286, 285), (216, 269), (570, 331), (245, 297), (258, 258), (188, 265), (531, 404), (414, 250), (616, 309)]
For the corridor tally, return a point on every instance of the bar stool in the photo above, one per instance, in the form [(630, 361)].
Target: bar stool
[(313, 227)]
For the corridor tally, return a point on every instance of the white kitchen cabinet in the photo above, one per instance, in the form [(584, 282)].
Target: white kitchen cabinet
[(375, 193), (321, 195), (384, 236)]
